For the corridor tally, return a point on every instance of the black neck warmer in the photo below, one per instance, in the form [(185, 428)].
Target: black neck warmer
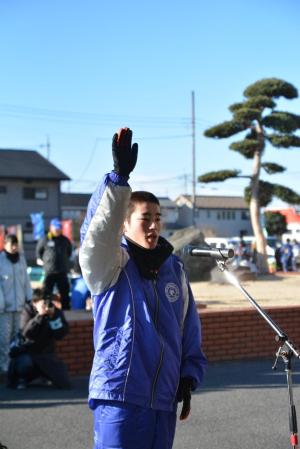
[(13, 258), (150, 260)]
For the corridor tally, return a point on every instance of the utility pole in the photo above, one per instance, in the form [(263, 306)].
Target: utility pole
[(193, 159), (48, 145)]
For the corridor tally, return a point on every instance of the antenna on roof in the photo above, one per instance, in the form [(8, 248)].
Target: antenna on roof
[(46, 145)]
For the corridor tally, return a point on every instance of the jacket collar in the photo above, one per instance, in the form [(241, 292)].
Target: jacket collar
[(149, 261), (13, 258)]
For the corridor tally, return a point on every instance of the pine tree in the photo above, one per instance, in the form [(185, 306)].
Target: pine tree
[(275, 223), (257, 116)]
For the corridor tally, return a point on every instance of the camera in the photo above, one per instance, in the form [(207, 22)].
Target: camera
[(48, 302)]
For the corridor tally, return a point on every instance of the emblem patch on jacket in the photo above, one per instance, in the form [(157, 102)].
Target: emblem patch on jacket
[(172, 291)]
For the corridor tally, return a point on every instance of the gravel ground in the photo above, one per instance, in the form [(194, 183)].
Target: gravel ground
[(271, 290)]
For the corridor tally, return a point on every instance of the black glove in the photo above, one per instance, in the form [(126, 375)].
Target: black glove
[(124, 155), (184, 394)]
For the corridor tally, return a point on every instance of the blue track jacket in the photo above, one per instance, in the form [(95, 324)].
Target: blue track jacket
[(146, 332)]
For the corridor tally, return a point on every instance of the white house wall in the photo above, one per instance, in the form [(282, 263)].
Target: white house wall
[(222, 222), (169, 215)]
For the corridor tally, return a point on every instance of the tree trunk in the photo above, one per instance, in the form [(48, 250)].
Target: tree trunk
[(261, 246)]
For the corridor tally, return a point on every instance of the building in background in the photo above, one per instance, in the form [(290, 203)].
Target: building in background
[(29, 183), (169, 214), (292, 216), (221, 216), (74, 205)]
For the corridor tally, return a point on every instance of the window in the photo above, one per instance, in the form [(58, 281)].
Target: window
[(3, 189), (245, 215), (35, 193), (208, 214), (231, 215)]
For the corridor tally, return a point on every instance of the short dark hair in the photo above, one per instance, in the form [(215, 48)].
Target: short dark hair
[(140, 196), (37, 294), (11, 238)]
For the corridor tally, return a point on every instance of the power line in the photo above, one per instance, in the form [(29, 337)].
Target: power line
[(92, 153), (138, 181), (168, 137), (18, 109), (183, 136), (89, 118), (161, 180)]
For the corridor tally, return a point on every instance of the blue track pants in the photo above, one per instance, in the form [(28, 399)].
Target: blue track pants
[(128, 426)]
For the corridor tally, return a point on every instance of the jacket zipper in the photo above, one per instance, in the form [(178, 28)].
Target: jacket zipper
[(15, 289), (162, 345)]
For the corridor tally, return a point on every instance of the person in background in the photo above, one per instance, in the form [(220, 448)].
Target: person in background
[(53, 252), (286, 256), (33, 356), (147, 332), (253, 257), (80, 295), (15, 289), (296, 254), (278, 256)]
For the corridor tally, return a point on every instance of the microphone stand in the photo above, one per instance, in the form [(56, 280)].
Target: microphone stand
[(286, 350)]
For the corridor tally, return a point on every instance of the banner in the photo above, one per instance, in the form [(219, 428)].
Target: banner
[(37, 220), (2, 235), (67, 229)]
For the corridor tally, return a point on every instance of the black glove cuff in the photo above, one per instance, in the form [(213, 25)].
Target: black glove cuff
[(186, 385)]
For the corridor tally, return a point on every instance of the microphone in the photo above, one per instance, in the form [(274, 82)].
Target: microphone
[(215, 253)]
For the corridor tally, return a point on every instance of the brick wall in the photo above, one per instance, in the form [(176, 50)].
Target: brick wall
[(227, 335), (243, 333), (76, 349)]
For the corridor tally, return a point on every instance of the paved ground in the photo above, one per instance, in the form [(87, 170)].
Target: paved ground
[(271, 290), (241, 405)]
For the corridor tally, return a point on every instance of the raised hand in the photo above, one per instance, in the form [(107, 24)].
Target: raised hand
[(124, 155)]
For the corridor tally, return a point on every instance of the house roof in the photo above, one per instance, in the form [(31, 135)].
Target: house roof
[(291, 214), (80, 200), (166, 202), (214, 202), (77, 200), (20, 164)]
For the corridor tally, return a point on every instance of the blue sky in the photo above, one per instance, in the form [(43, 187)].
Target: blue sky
[(78, 70)]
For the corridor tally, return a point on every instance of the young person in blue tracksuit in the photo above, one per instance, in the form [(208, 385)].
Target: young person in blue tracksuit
[(147, 333)]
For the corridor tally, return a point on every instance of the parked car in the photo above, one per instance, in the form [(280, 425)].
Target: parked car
[(250, 239), (218, 242)]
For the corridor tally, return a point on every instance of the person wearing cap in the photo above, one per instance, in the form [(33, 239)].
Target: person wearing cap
[(53, 252)]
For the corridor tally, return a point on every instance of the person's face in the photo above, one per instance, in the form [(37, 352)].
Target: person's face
[(11, 248), (43, 308), (55, 231), (144, 225)]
